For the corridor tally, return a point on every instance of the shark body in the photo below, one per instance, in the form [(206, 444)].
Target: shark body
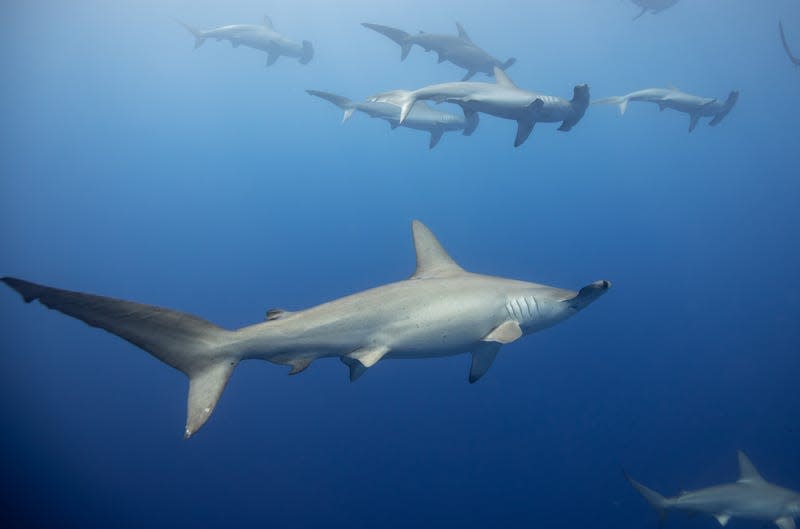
[(750, 497), (501, 99), (261, 37), (440, 310), (459, 50), (421, 116), (695, 106)]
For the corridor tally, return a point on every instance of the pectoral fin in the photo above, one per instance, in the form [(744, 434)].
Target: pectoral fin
[(272, 57), (504, 333), (785, 523), (524, 129), (483, 356), (436, 135), (694, 118), (722, 518)]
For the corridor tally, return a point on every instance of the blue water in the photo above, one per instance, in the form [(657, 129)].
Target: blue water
[(135, 167)]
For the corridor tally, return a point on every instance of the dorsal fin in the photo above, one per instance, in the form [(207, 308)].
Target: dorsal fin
[(747, 471), (267, 22), (502, 78), (432, 259), (462, 32)]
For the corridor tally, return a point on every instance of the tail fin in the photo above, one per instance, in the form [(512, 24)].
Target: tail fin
[(579, 104), (199, 36), (508, 64), (404, 99), (190, 344), (656, 500), (622, 101), (308, 53), (729, 103), (340, 101), (397, 35)]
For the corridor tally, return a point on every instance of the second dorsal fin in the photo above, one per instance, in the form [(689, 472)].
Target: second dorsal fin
[(432, 259)]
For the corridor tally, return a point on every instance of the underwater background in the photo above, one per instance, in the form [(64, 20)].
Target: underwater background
[(136, 167)]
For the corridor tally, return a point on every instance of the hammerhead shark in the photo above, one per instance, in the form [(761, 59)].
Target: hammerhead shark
[(440, 310), (421, 117), (654, 6), (263, 37), (673, 98), (502, 99), (750, 497), (459, 50)]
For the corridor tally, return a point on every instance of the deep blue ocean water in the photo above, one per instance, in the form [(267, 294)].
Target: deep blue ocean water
[(135, 167)]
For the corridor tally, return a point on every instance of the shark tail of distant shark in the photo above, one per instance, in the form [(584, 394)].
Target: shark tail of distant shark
[(340, 101), (199, 36), (656, 500), (199, 349), (579, 103), (622, 101), (405, 99), (508, 64), (729, 103), (308, 53), (402, 38)]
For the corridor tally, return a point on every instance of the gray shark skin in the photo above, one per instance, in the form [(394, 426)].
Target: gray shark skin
[(502, 99), (459, 50), (695, 106), (440, 310), (421, 116), (653, 6), (795, 60), (263, 37), (750, 497)]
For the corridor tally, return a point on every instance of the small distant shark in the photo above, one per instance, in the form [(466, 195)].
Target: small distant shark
[(502, 99), (263, 37), (795, 60), (673, 98), (750, 497), (654, 6), (441, 310), (459, 50), (421, 117)]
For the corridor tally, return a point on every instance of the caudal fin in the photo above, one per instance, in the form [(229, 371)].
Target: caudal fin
[(340, 101), (404, 99), (199, 36), (398, 35), (308, 53), (508, 64), (197, 348), (656, 500), (622, 101)]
